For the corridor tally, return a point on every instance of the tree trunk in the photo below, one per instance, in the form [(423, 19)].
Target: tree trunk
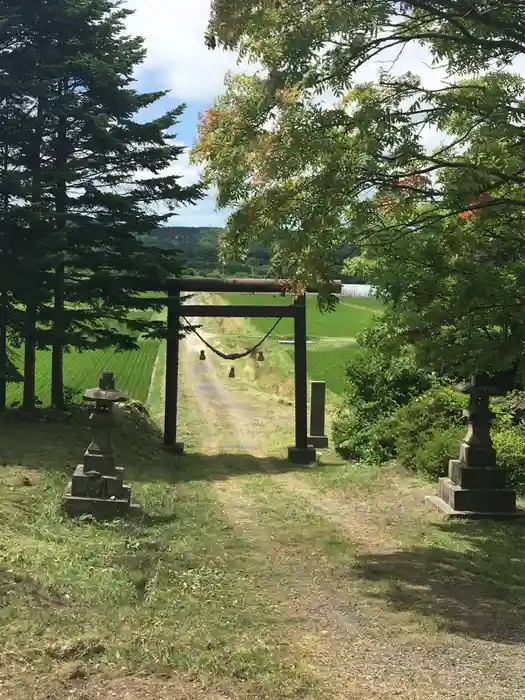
[(31, 305), (30, 358), (3, 351), (59, 320), (57, 359), (3, 294)]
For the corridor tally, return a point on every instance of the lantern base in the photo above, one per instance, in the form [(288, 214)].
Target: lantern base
[(474, 492), (446, 509), (99, 508), (104, 496)]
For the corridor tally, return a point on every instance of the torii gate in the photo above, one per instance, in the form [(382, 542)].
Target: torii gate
[(301, 452)]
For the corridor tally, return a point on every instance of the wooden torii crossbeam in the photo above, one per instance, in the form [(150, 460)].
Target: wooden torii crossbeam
[(300, 453)]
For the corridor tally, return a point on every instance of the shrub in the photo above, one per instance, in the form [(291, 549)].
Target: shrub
[(392, 408), (412, 426), (432, 457), (384, 382), (514, 405), (377, 384), (355, 437), (440, 434), (510, 448)]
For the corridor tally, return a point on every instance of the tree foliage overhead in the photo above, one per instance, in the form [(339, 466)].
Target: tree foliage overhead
[(312, 157)]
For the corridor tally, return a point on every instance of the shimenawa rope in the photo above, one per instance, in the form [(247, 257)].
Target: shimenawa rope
[(233, 355)]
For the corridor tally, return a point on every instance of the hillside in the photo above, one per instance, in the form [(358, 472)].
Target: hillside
[(199, 249)]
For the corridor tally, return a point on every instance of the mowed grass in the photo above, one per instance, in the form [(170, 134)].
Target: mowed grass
[(132, 369), (175, 590), (350, 317), (371, 303), (245, 577)]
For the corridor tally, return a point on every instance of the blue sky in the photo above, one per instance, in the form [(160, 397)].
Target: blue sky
[(178, 60)]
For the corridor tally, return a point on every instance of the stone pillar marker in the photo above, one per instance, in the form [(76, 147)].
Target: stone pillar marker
[(97, 487), (317, 437), (476, 486)]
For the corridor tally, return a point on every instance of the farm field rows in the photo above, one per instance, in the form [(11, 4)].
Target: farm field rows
[(333, 333), (131, 368)]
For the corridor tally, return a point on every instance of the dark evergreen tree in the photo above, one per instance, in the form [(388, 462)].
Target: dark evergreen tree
[(96, 179)]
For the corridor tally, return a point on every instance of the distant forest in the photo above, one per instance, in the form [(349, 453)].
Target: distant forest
[(200, 254)]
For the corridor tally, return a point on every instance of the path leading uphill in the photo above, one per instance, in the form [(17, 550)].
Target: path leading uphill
[(368, 600)]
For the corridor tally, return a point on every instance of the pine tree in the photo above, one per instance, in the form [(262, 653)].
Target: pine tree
[(96, 178), (21, 126)]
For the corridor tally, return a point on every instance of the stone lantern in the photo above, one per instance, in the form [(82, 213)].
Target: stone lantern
[(476, 486), (97, 487)]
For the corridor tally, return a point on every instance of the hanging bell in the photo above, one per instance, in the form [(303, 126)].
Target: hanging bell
[(202, 355), (260, 356), (232, 373)]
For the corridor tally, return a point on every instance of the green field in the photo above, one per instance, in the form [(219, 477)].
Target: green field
[(132, 370), (350, 317), (333, 333), (327, 364), (364, 302)]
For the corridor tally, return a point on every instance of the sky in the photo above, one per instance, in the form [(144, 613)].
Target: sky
[(178, 60)]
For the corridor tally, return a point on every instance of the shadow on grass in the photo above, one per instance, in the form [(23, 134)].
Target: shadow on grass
[(473, 585), (38, 443)]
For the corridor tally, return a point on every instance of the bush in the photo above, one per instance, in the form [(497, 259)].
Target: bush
[(355, 437), (412, 426), (433, 456), (440, 434), (510, 449), (384, 382), (392, 408), (513, 404), (377, 384)]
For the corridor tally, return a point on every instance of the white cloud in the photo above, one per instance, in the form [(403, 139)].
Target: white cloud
[(204, 214), (177, 59), (173, 31)]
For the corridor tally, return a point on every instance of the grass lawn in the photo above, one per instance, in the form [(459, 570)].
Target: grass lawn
[(133, 368), (371, 303), (172, 592), (327, 364)]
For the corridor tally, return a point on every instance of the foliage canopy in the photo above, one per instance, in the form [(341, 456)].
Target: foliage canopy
[(427, 180)]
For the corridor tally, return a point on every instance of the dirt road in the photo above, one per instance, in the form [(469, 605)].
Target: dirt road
[(347, 628)]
